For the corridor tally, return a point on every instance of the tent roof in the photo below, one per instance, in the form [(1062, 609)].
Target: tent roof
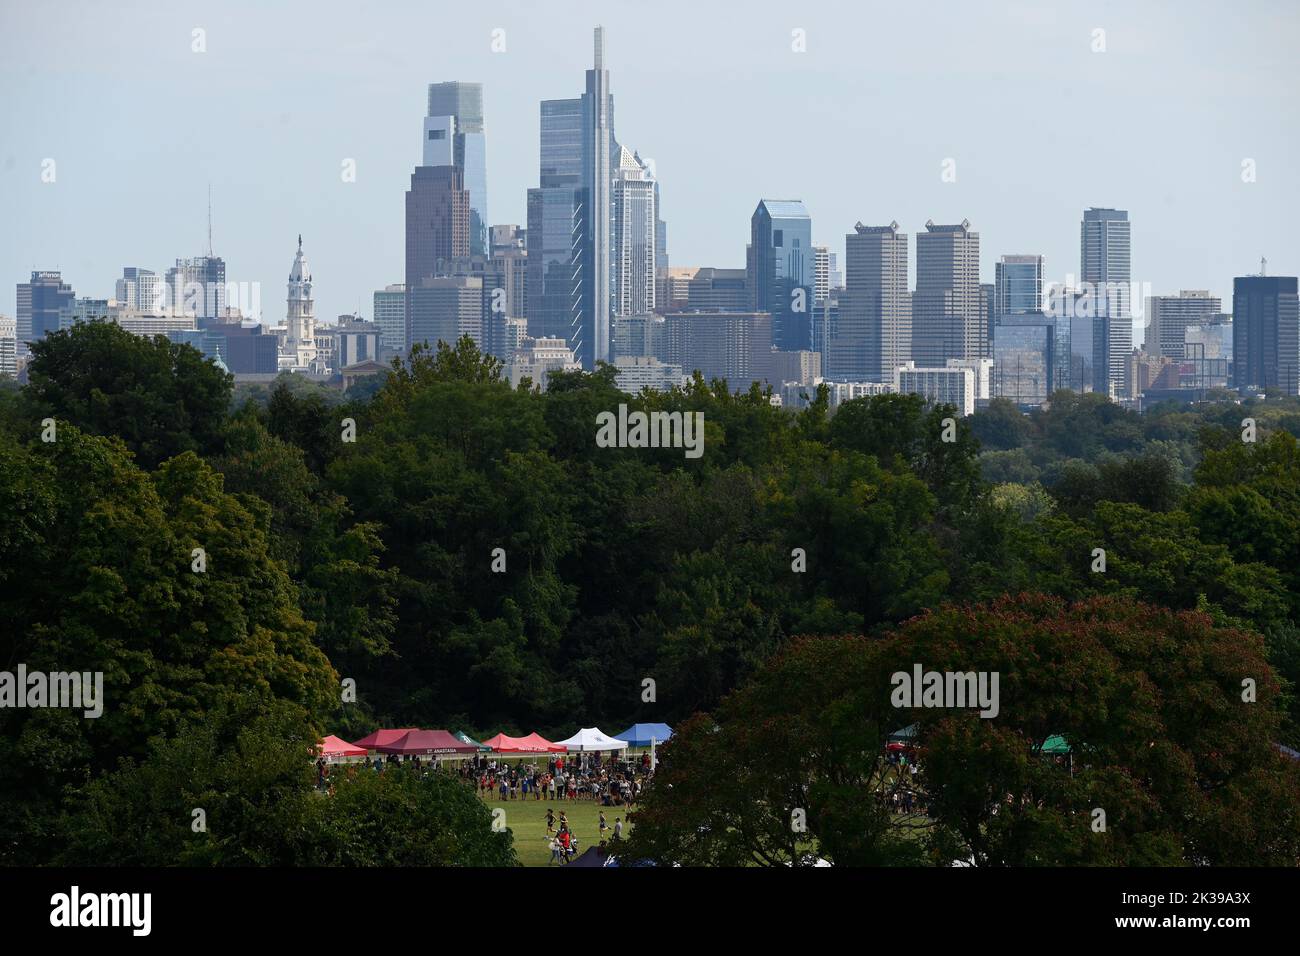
[(640, 735), (904, 733), (591, 738), (379, 738), (1056, 744), (467, 739), (427, 742), (533, 743), (332, 746)]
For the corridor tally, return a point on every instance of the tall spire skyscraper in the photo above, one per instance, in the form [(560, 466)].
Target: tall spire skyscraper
[(570, 252), (599, 117)]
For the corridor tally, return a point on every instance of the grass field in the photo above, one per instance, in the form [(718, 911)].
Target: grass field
[(527, 820)]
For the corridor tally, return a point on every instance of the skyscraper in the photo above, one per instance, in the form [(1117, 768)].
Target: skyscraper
[(1168, 316), (197, 287), (141, 290), (41, 302), (948, 320), (1266, 333), (874, 336), (8, 347), (1017, 285), (390, 316), (437, 224), (453, 136), (570, 252), (821, 272), (784, 270), (1106, 270), (634, 235)]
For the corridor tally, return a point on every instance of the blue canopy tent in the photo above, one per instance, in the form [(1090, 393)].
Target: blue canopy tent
[(640, 735)]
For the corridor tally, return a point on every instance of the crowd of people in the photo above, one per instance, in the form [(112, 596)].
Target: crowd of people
[(611, 781)]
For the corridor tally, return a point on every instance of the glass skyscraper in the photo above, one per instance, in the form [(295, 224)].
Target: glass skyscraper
[(784, 270), (1024, 359), (1018, 285), (453, 136), (570, 250)]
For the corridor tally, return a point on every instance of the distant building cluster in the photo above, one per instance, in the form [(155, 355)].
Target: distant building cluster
[(587, 280)]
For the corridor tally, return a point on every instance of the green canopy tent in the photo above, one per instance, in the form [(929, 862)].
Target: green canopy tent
[(1055, 744), (467, 739)]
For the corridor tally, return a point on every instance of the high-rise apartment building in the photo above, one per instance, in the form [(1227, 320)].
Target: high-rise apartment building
[(873, 335), (635, 221), (1106, 272), (8, 347), (948, 312), (141, 290)]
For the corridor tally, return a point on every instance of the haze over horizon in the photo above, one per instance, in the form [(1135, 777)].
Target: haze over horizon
[(858, 126)]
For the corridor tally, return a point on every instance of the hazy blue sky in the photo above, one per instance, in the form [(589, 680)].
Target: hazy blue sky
[(1040, 126)]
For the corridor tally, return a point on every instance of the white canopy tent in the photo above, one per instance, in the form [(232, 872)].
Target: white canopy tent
[(591, 739)]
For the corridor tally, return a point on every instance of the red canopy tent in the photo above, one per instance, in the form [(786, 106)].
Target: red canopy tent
[(383, 737), (427, 742), (333, 747), (534, 743)]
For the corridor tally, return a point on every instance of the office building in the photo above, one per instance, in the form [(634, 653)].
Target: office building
[(1169, 315), (390, 316), (453, 136), (1266, 333), (43, 304), (444, 308), (1017, 285), (717, 290), (734, 346), (570, 249), (948, 312), (872, 334), (197, 287), (784, 270), (1024, 358)]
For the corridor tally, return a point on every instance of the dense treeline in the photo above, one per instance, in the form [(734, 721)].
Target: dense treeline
[(372, 559)]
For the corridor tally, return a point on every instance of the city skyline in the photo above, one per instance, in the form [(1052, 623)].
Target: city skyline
[(1022, 201)]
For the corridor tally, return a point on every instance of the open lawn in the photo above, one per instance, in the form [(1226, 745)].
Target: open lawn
[(527, 820)]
